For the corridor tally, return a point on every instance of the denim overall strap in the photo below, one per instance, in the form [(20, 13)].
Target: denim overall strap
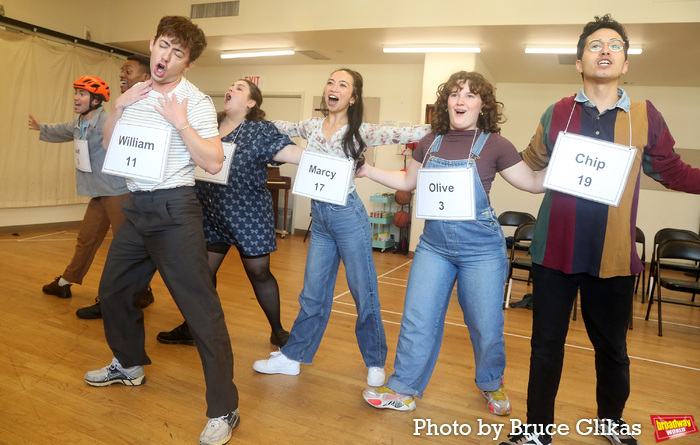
[(479, 144), (434, 147)]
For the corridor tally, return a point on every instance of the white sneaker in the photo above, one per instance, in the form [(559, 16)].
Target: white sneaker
[(278, 363), (218, 430), (375, 376), (114, 373)]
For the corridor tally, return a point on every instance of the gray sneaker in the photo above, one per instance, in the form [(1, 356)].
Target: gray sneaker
[(218, 430), (114, 373)]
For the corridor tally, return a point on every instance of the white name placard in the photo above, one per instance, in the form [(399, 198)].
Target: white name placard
[(323, 177), (222, 177), (138, 152), (589, 168), (446, 194), (82, 156)]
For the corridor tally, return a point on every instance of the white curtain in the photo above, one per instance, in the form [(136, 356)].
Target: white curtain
[(36, 77)]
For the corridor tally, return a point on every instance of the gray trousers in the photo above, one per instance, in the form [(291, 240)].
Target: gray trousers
[(163, 231)]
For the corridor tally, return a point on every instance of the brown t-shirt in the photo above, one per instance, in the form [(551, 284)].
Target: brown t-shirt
[(497, 155)]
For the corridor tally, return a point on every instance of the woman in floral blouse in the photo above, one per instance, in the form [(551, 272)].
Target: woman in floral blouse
[(339, 232)]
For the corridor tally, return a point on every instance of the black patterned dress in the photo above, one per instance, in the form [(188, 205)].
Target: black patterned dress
[(240, 213)]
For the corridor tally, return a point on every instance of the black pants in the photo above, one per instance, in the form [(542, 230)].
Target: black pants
[(163, 231), (606, 304)]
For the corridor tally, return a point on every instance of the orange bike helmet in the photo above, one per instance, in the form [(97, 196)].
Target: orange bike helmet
[(93, 85)]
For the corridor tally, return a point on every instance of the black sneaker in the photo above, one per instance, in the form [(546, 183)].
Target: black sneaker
[(616, 431), (90, 312), (279, 338), (53, 288), (178, 336), (527, 439)]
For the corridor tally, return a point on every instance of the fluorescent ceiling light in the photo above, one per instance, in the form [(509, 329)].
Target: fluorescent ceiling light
[(237, 54), (433, 48), (568, 49)]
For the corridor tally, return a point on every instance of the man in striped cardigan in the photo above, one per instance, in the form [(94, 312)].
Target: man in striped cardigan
[(581, 245)]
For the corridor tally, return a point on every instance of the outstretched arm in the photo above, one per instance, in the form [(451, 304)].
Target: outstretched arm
[(523, 177), (290, 154), (399, 180)]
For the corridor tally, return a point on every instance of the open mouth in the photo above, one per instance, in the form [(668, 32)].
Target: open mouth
[(460, 112), (605, 63), (159, 70), (227, 97), (332, 99)]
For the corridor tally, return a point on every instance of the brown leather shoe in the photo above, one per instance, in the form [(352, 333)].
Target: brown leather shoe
[(53, 288)]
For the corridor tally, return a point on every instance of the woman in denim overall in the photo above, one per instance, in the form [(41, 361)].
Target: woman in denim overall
[(471, 253)]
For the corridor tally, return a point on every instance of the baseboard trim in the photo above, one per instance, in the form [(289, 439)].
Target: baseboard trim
[(47, 227)]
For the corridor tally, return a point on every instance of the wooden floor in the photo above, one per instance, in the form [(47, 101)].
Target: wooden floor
[(45, 351)]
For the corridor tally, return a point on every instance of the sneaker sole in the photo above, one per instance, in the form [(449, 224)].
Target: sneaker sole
[(395, 405), (135, 382), (275, 371)]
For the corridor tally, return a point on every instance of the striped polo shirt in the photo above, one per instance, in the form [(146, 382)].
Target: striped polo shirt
[(201, 115), (575, 235)]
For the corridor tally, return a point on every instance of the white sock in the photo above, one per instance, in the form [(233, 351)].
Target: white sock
[(63, 282)]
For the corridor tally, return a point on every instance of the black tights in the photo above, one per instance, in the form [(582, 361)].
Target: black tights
[(264, 283)]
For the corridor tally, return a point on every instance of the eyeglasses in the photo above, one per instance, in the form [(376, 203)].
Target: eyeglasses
[(615, 45)]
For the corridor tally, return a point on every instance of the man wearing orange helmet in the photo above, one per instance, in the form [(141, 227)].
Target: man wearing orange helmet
[(106, 191)]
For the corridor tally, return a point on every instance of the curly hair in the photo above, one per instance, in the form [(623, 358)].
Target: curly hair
[(491, 112), (355, 115), (181, 29), (605, 22)]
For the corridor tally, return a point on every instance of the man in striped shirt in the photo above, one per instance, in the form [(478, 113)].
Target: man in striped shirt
[(163, 229), (584, 245)]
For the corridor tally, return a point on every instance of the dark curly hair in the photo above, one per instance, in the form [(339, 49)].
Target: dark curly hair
[(491, 112), (182, 30), (606, 22)]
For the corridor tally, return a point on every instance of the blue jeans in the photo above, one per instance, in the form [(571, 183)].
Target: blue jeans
[(338, 233), (473, 254)]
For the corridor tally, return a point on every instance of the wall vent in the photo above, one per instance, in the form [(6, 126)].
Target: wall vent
[(219, 9), (313, 54)]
